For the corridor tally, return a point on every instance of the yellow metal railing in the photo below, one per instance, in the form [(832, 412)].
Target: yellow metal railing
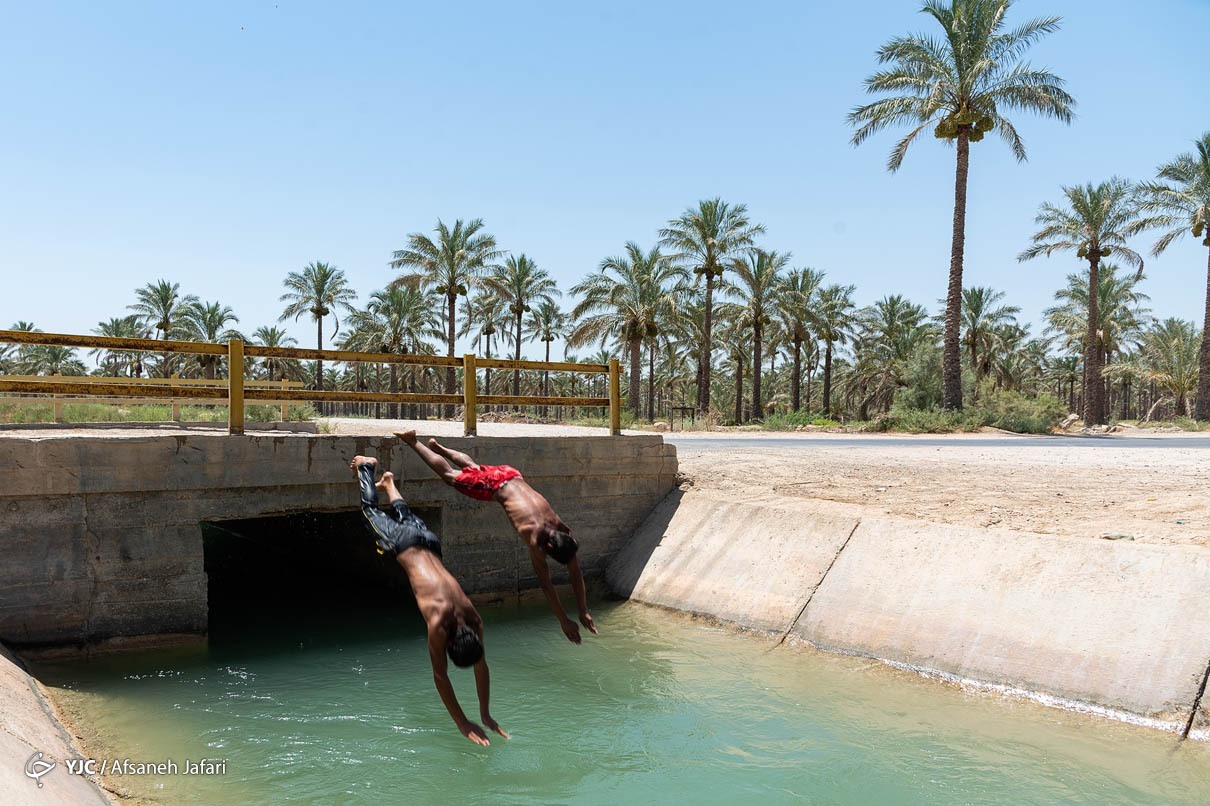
[(173, 382), (236, 391)]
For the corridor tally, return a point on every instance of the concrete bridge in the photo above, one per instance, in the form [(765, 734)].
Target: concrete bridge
[(103, 539)]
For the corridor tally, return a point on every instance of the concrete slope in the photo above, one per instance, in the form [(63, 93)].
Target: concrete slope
[(753, 565), (1119, 625), (27, 727)]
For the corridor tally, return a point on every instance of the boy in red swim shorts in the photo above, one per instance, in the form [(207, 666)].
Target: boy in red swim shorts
[(542, 531)]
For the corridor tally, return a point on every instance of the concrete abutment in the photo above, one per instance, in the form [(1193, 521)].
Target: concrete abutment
[(102, 535)]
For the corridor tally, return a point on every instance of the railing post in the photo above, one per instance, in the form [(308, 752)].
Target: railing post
[(235, 386), (285, 407), (176, 407), (615, 397), (469, 395)]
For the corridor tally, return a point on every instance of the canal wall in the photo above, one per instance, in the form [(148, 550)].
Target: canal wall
[(1119, 626), (102, 542), (29, 727)]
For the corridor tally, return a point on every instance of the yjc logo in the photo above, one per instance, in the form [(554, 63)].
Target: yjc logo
[(35, 767)]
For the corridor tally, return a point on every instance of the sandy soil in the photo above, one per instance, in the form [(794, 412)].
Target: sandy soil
[(1148, 494)]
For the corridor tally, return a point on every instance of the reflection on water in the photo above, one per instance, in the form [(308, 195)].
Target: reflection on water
[(657, 708)]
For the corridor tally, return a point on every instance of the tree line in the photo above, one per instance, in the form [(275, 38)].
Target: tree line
[(703, 317)]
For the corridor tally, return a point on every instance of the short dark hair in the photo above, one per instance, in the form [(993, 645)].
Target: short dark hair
[(561, 547), (464, 648)]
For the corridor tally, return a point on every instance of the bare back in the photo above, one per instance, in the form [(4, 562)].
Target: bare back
[(531, 514), (438, 594)]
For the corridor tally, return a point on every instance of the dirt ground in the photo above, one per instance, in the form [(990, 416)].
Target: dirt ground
[(1147, 494)]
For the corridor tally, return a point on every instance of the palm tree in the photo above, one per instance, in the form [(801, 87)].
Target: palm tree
[(1120, 310), (208, 322), (1169, 356), (397, 320), (960, 85), (161, 306), (736, 342), (450, 266), (794, 305), (832, 321), (1066, 370), (320, 289), (982, 319), (11, 355), (1019, 361), (890, 332), (628, 299), (1121, 314), (45, 359), (484, 318), (521, 285), (707, 237), (1180, 204), (758, 283), (1096, 224), (279, 369), (546, 324), (117, 361)]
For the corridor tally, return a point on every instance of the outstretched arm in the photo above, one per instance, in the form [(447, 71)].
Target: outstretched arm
[(446, 689), (552, 596), (577, 586), (483, 687)]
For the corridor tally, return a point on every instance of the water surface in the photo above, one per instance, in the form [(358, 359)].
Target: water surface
[(341, 707)]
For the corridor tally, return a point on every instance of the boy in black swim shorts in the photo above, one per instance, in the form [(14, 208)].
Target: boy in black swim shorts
[(454, 626)]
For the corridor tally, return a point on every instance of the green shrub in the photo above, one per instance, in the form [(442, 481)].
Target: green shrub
[(927, 421), (788, 421), (43, 412), (1010, 411), (1016, 412)]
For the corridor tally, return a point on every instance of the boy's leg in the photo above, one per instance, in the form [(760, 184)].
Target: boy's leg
[(387, 485), (364, 467), (438, 465), (457, 457), (369, 493), (416, 530)]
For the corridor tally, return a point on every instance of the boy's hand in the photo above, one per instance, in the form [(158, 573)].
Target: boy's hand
[(586, 620), (571, 630), (474, 732), (492, 724)]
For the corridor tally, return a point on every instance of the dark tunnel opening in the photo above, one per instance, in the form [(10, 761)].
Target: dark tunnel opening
[(305, 565)]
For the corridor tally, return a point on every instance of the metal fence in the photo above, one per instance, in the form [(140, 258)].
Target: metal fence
[(234, 390)]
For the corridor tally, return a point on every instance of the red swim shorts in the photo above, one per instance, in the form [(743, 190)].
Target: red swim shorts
[(482, 482)]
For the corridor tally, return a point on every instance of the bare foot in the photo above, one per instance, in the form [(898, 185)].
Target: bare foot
[(387, 480), (358, 461), (408, 436), (433, 443)]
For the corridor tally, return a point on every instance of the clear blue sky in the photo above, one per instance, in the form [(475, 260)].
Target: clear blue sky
[(222, 145)]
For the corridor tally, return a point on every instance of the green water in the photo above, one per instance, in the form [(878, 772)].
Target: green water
[(657, 709)]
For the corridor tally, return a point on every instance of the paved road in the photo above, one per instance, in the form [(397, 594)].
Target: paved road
[(731, 442)]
